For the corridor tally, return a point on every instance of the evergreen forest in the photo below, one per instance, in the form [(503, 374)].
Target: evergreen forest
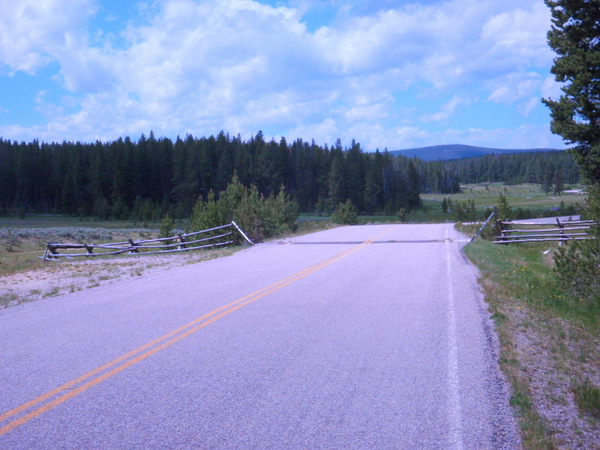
[(150, 178), (546, 168)]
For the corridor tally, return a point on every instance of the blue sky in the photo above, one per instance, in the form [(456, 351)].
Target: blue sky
[(389, 74)]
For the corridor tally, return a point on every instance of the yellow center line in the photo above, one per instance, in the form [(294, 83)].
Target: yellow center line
[(127, 360)]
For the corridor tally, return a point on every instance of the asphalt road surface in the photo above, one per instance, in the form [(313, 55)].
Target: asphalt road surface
[(356, 337)]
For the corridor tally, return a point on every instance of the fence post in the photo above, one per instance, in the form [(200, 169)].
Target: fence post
[(481, 229), (562, 232), (241, 232), (52, 249), (133, 245)]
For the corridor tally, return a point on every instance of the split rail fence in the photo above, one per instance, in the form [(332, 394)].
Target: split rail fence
[(212, 238), (576, 230)]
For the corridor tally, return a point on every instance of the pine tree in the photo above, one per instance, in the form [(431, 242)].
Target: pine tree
[(575, 37)]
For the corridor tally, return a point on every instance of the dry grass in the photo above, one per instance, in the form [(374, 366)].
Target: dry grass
[(24, 277)]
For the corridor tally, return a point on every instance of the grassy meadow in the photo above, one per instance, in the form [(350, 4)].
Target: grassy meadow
[(528, 197), (23, 240)]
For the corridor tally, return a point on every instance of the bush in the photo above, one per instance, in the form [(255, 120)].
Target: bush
[(11, 242), (345, 214), (257, 216), (504, 210), (522, 213), (464, 211), (166, 228), (249, 214), (402, 215), (578, 263), (280, 214)]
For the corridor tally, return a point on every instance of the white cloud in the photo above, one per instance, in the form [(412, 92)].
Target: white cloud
[(523, 89), (201, 66), (447, 110), (325, 132), (33, 31), (519, 36)]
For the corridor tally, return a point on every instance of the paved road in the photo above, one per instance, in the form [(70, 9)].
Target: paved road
[(358, 337)]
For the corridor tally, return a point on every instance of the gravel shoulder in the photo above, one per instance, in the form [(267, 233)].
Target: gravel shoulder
[(55, 278)]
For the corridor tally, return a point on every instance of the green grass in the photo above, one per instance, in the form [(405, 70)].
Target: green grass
[(526, 196), (508, 281), (60, 221), (525, 297), (6, 298), (525, 272), (587, 397)]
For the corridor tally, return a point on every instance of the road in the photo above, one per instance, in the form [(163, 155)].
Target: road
[(356, 337)]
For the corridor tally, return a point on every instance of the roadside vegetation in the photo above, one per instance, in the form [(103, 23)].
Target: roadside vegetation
[(545, 301), (549, 344), (23, 239)]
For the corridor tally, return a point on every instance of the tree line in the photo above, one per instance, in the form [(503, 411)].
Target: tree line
[(550, 168), (153, 177), (150, 178)]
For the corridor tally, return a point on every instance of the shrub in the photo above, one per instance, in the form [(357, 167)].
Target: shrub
[(11, 242), (464, 211), (166, 228), (345, 214), (402, 215), (578, 263), (504, 210), (260, 218), (280, 214), (207, 214), (249, 213)]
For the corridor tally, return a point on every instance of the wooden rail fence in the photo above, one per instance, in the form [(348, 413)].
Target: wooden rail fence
[(561, 231), (178, 243)]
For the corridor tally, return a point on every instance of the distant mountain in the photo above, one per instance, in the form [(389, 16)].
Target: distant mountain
[(457, 151)]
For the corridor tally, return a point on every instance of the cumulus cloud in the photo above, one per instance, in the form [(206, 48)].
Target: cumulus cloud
[(32, 32), (201, 66), (523, 89)]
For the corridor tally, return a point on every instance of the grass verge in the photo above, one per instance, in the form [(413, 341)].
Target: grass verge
[(549, 346)]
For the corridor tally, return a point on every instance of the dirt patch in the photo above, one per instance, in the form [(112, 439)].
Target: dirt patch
[(66, 276)]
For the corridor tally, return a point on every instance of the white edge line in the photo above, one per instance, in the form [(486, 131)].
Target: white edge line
[(454, 408)]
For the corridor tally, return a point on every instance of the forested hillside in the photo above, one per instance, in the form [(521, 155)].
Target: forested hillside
[(458, 151), (153, 177), (545, 168)]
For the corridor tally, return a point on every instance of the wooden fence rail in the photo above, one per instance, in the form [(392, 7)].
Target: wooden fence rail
[(177, 243), (561, 231)]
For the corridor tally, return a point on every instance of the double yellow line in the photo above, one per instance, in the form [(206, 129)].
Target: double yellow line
[(78, 385)]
